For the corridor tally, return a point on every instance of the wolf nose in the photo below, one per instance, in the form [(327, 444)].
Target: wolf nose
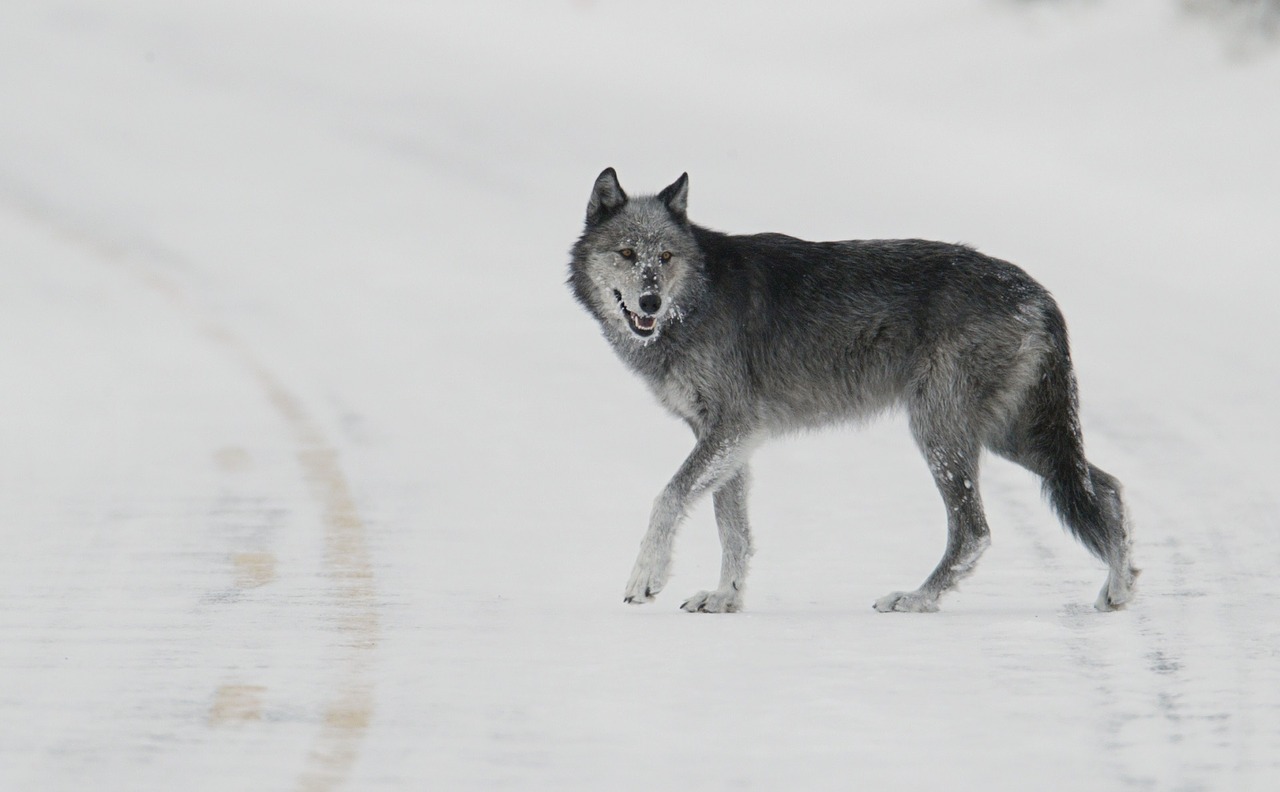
[(650, 303)]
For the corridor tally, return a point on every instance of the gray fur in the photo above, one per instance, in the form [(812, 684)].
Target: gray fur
[(748, 337)]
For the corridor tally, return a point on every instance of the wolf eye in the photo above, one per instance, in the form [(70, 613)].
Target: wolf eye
[(627, 253), (666, 255)]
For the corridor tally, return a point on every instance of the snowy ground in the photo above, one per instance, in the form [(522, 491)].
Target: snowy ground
[(312, 475)]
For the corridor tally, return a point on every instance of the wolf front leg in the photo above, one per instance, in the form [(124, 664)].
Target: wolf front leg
[(716, 459), (735, 547)]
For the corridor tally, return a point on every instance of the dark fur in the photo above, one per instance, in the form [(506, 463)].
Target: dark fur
[(764, 334)]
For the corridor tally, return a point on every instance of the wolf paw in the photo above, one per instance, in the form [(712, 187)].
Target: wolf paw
[(646, 581), (718, 601), (907, 602), (1116, 592)]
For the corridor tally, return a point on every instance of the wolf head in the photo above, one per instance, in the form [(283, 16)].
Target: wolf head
[(637, 267)]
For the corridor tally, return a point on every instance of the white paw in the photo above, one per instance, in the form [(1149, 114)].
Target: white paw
[(647, 579), (907, 602), (1116, 592), (718, 601)]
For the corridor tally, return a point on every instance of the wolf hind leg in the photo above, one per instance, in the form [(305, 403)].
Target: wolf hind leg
[(955, 472), (1121, 574), (1090, 503), (735, 544)]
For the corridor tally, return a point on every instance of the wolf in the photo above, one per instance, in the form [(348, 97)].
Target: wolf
[(748, 337)]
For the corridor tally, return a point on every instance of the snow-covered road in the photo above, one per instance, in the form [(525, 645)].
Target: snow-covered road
[(312, 475)]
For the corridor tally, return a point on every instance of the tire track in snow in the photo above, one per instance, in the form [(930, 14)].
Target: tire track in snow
[(1207, 626), (347, 561), (1095, 661), (346, 717), (1167, 719)]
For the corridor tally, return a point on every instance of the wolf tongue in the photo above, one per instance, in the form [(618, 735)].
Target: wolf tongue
[(644, 322)]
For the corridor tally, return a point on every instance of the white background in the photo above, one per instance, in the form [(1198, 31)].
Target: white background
[(313, 476)]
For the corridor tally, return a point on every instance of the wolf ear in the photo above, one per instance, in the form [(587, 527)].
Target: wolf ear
[(676, 196), (606, 197)]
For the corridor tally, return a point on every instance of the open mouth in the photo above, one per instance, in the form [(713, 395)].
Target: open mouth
[(642, 326)]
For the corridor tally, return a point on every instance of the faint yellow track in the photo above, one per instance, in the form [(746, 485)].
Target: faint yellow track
[(348, 712), (347, 564)]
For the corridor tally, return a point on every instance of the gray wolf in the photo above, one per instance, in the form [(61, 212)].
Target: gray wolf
[(748, 337)]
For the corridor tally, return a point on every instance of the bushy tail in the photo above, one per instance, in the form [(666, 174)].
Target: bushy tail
[(1087, 498)]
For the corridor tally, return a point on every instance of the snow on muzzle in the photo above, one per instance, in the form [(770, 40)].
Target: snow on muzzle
[(644, 324)]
